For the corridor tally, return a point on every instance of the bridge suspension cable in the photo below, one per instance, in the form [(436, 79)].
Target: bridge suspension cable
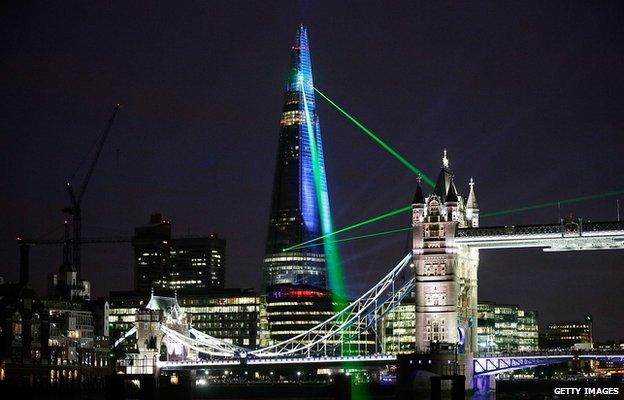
[(324, 337), (130, 332), (212, 346)]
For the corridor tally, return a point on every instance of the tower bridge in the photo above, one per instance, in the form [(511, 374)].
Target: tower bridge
[(442, 272)]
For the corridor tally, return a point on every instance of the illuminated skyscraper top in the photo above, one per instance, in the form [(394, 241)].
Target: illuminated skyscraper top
[(295, 207)]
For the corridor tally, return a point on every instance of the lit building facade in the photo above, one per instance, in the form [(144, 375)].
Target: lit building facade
[(24, 329), (397, 333), (51, 341), (505, 328), (292, 310), (445, 273), (295, 209), (569, 334), (176, 263), (295, 309), (151, 253), (78, 340), (501, 328), (124, 306), (196, 263), (232, 315), (528, 330)]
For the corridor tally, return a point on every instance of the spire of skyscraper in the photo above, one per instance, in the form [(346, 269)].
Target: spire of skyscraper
[(295, 209)]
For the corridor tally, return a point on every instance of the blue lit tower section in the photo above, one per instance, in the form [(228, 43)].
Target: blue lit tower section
[(294, 208)]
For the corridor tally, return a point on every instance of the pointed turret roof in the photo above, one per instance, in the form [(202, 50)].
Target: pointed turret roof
[(472, 199), (419, 198), (451, 196), (169, 305), (445, 180)]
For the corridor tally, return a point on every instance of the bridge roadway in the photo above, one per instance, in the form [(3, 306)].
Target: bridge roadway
[(484, 364), (567, 236), (493, 364), (376, 359)]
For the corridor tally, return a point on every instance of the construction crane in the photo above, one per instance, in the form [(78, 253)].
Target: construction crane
[(96, 240), (75, 198), (67, 242)]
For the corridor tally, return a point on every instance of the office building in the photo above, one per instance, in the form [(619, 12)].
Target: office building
[(122, 314), (397, 332), (231, 315), (196, 264), (179, 264), (151, 253), (506, 328), (500, 328), (528, 330), (569, 335)]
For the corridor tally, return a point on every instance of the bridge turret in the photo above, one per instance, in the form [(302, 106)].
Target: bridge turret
[(418, 205), (472, 209)]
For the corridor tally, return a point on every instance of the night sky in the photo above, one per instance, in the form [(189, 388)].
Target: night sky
[(527, 98)]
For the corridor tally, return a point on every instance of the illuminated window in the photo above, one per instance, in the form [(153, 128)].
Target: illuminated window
[(17, 325), (435, 299)]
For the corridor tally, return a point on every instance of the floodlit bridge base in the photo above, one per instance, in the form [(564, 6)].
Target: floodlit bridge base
[(484, 383)]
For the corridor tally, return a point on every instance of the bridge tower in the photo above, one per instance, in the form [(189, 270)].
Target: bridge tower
[(445, 272)]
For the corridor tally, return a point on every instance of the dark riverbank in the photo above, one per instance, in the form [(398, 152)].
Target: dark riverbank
[(505, 390)]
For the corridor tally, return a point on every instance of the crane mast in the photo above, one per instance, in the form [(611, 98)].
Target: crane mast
[(76, 198)]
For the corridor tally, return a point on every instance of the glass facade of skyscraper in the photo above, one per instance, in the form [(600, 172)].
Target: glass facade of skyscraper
[(295, 209)]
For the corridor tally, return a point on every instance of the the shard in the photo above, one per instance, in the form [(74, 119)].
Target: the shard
[(300, 201)]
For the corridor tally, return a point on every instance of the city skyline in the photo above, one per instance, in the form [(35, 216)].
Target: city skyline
[(453, 102)]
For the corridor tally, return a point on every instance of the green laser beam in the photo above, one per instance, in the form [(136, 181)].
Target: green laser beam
[(380, 142), (553, 203), (333, 261), (332, 255), (484, 215), (370, 235), (379, 217)]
